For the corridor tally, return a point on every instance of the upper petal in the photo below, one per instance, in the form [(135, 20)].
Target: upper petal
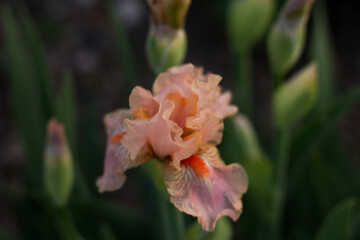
[(161, 135), (204, 187), (142, 103), (222, 107), (181, 76), (210, 126)]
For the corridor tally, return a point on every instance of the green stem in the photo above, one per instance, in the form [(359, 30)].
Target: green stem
[(243, 94), (168, 221), (281, 158), (66, 226), (321, 52), (278, 80)]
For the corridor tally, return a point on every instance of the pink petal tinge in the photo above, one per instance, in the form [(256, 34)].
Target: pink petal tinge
[(206, 188), (117, 158), (160, 135)]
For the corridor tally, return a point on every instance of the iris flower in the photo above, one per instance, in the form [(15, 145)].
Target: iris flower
[(180, 123)]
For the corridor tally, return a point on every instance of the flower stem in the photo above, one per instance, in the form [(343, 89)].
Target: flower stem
[(278, 79), (242, 72), (281, 158)]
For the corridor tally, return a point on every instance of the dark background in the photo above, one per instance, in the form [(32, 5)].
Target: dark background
[(76, 35)]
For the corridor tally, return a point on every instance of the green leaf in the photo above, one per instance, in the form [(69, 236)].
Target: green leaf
[(38, 58), (25, 95), (223, 231), (293, 100), (65, 110), (125, 54), (124, 221), (66, 114), (286, 40), (338, 223), (321, 121), (322, 54), (106, 232)]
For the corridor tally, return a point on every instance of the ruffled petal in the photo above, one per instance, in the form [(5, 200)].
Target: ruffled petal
[(222, 107), (117, 158), (206, 188), (180, 76), (161, 135), (142, 103), (210, 127)]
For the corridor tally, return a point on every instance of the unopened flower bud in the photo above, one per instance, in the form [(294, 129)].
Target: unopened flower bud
[(58, 164), (247, 137), (171, 13), (295, 98), (286, 39), (165, 47), (247, 21)]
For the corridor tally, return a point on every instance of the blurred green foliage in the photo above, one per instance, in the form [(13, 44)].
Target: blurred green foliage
[(301, 186)]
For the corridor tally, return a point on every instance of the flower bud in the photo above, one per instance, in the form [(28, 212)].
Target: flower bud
[(247, 21), (165, 47), (58, 164), (247, 137), (171, 13), (257, 165), (294, 99), (286, 39)]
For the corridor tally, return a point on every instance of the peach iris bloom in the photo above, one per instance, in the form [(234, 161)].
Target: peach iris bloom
[(180, 122)]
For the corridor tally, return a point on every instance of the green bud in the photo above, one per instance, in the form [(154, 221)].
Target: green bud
[(294, 99), (257, 165), (247, 21), (165, 47), (286, 39), (58, 164), (171, 13), (247, 137)]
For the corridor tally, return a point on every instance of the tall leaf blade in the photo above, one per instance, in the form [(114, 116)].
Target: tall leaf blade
[(320, 122), (338, 223), (25, 95), (66, 114), (124, 49), (38, 58), (65, 109), (321, 51)]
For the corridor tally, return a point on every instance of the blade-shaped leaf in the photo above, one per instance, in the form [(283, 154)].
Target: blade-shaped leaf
[(321, 51), (338, 223), (38, 58), (24, 93), (123, 46), (320, 122), (66, 114), (65, 109)]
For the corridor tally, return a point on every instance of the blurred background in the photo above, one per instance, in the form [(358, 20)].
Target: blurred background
[(93, 42)]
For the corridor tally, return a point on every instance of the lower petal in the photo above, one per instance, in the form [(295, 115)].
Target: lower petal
[(206, 188), (117, 157)]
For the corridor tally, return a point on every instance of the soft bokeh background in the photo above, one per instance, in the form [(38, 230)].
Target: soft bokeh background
[(77, 36)]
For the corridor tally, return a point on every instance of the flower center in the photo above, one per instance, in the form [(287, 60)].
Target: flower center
[(197, 165), (184, 107)]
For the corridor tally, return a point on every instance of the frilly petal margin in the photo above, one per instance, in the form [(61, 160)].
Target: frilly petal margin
[(160, 135), (206, 188), (117, 158)]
